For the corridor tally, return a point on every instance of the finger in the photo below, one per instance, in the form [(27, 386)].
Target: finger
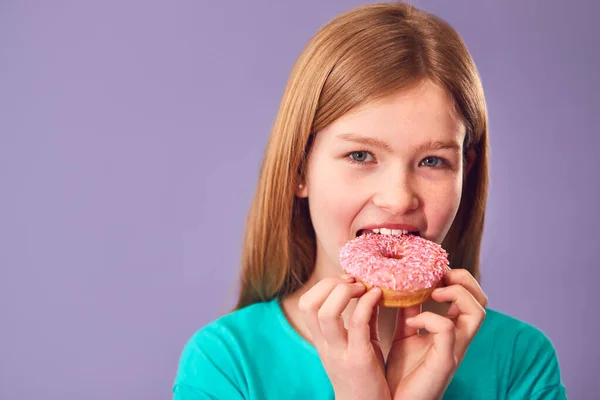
[(402, 330), (452, 312), (330, 313), (443, 335), (374, 321), (363, 322), (311, 301), (469, 314), (464, 278)]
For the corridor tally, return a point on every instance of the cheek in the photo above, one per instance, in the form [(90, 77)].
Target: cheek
[(334, 203), (441, 208)]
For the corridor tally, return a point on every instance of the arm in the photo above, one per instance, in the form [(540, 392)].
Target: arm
[(183, 392), (535, 371), (209, 368)]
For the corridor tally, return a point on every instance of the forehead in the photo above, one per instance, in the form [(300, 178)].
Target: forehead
[(422, 113)]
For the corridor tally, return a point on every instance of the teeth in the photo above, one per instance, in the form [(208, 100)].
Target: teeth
[(386, 231), (393, 232)]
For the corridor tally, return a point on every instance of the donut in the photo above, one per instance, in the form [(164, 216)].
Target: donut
[(407, 267)]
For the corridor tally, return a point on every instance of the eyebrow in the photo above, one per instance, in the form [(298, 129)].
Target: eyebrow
[(439, 145), (429, 145), (369, 141)]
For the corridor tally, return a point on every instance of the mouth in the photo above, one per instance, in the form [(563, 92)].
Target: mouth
[(387, 231)]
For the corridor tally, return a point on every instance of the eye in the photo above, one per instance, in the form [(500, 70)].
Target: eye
[(361, 156), (434, 162)]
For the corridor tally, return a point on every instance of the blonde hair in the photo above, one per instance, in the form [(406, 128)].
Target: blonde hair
[(364, 54)]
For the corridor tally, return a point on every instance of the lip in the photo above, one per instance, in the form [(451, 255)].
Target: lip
[(404, 227)]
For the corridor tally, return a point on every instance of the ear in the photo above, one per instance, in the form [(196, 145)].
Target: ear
[(470, 161), (302, 190)]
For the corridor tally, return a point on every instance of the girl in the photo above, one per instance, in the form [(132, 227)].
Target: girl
[(382, 125)]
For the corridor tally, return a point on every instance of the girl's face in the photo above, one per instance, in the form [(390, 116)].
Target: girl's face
[(395, 163)]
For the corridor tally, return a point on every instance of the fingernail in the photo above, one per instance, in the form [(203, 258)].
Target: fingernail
[(347, 277), (409, 320), (438, 290)]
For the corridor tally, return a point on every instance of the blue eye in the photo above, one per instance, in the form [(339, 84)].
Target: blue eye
[(433, 162), (361, 156)]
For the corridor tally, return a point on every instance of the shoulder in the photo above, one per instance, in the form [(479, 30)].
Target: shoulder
[(503, 330), (231, 331), (254, 315), (511, 326), (231, 328), (215, 355), (530, 359)]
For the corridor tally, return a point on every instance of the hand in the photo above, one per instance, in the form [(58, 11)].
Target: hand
[(422, 366), (351, 357)]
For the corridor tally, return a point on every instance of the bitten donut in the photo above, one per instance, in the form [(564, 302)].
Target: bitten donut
[(407, 268)]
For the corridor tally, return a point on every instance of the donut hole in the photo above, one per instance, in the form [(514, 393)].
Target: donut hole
[(392, 255)]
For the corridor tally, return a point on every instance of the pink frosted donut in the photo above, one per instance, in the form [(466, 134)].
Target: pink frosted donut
[(407, 268)]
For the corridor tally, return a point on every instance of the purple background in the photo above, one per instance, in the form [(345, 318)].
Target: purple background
[(131, 134)]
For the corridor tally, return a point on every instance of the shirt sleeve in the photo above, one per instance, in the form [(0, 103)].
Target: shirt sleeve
[(209, 368), (182, 392), (534, 371)]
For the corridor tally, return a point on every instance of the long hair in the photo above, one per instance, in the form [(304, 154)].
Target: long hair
[(362, 55)]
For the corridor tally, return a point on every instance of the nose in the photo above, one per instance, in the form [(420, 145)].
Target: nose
[(397, 196)]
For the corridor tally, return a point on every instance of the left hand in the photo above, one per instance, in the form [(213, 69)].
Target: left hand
[(422, 366)]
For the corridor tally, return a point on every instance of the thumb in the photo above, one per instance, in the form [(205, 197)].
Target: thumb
[(374, 324), (401, 330), (374, 332)]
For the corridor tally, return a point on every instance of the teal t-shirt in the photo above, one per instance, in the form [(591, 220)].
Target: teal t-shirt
[(254, 353)]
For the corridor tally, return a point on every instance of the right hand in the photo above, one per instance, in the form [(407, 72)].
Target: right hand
[(351, 357)]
